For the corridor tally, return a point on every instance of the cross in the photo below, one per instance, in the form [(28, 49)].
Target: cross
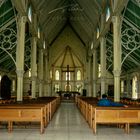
[(67, 71)]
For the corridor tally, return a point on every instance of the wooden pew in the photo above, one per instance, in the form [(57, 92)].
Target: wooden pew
[(22, 113), (53, 102), (115, 115), (48, 105), (108, 115)]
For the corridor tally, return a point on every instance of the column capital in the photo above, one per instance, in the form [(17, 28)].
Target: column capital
[(20, 73), (117, 73), (22, 18), (115, 17), (102, 37), (103, 78), (46, 82), (94, 52), (40, 81), (34, 36), (94, 80), (33, 78)]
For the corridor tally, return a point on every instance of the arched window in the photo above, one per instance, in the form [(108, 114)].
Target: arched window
[(98, 32), (79, 87), (91, 45), (30, 13), (13, 85), (107, 13), (99, 70), (38, 33), (67, 76), (56, 75), (30, 72), (57, 87), (50, 74), (44, 45), (0, 77), (122, 86), (67, 87), (78, 75), (135, 87)]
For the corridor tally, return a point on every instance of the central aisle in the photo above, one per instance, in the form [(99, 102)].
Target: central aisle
[(68, 124)]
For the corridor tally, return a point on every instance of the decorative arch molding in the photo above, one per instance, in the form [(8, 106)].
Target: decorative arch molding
[(136, 74), (131, 41), (8, 41), (9, 55)]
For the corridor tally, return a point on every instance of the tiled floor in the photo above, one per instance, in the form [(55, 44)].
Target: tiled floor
[(69, 124)]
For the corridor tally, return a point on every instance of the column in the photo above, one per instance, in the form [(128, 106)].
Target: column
[(103, 64), (46, 76), (74, 79), (95, 73), (89, 77), (85, 78), (20, 85), (40, 73), (33, 67), (61, 79), (117, 56), (20, 56)]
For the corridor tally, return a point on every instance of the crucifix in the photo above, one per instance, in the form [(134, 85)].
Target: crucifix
[(68, 77)]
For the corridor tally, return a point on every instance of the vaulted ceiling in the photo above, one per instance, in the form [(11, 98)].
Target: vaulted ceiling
[(82, 16)]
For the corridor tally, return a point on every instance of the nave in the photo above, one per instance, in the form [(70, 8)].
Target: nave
[(69, 124)]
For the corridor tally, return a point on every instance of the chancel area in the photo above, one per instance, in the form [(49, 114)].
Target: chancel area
[(57, 59)]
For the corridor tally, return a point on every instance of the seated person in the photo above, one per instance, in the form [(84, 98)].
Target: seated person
[(106, 102)]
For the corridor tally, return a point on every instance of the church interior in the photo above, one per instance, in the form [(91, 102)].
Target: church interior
[(57, 59)]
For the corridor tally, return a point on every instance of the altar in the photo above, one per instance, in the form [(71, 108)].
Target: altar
[(68, 95)]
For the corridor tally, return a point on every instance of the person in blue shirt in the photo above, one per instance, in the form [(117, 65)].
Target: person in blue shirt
[(106, 102)]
